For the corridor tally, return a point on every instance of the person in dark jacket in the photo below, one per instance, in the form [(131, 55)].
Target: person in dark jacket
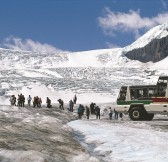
[(121, 116), (48, 103), (35, 101), (13, 100), (115, 114), (92, 108), (71, 105), (61, 104), (80, 111), (110, 113), (18, 99), (22, 100), (97, 111), (74, 99), (39, 102), (83, 109), (87, 112)]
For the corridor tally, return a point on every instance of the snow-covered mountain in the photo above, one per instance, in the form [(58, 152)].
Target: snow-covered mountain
[(152, 46), (93, 75)]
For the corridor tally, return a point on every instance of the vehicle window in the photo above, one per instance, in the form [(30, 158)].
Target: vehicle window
[(139, 93), (151, 92), (142, 93), (133, 94), (161, 89)]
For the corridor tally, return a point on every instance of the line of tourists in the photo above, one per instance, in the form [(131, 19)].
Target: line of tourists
[(20, 101), (37, 101), (92, 110), (116, 114), (95, 110)]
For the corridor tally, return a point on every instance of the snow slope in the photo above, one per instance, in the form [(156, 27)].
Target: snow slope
[(157, 32), (98, 72), (95, 58)]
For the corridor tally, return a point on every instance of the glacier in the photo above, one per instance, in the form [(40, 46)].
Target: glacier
[(29, 134)]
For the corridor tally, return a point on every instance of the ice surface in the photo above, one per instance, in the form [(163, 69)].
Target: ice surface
[(124, 141), (38, 135)]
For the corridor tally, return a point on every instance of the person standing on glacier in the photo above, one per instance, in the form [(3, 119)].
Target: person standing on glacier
[(87, 112), (80, 111), (71, 105), (61, 104), (48, 103), (75, 99), (29, 100), (97, 111), (110, 113), (116, 114)]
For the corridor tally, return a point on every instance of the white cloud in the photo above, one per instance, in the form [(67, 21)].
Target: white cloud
[(111, 45), (15, 43), (128, 22)]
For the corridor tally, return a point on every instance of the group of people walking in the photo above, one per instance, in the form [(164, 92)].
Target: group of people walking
[(92, 110), (95, 110), (20, 101), (37, 101), (116, 114), (72, 102)]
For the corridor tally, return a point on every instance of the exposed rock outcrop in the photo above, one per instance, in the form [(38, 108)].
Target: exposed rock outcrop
[(155, 51)]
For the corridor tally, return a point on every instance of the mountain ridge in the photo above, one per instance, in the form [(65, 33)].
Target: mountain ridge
[(143, 49), (152, 46)]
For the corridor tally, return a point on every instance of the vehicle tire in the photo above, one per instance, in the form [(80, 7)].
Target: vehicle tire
[(135, 113), (149, 117)]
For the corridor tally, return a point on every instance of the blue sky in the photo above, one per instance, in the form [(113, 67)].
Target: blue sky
[(77, 25)]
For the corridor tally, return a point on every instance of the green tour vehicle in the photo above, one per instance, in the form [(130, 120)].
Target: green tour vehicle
[(143, 101)]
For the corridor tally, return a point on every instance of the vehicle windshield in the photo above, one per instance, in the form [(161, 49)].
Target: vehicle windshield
[(161, 87)]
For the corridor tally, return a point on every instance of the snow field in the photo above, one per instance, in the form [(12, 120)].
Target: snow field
[(124, 141)]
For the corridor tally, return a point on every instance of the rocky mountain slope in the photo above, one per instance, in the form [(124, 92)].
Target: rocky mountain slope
[(153, 50)]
